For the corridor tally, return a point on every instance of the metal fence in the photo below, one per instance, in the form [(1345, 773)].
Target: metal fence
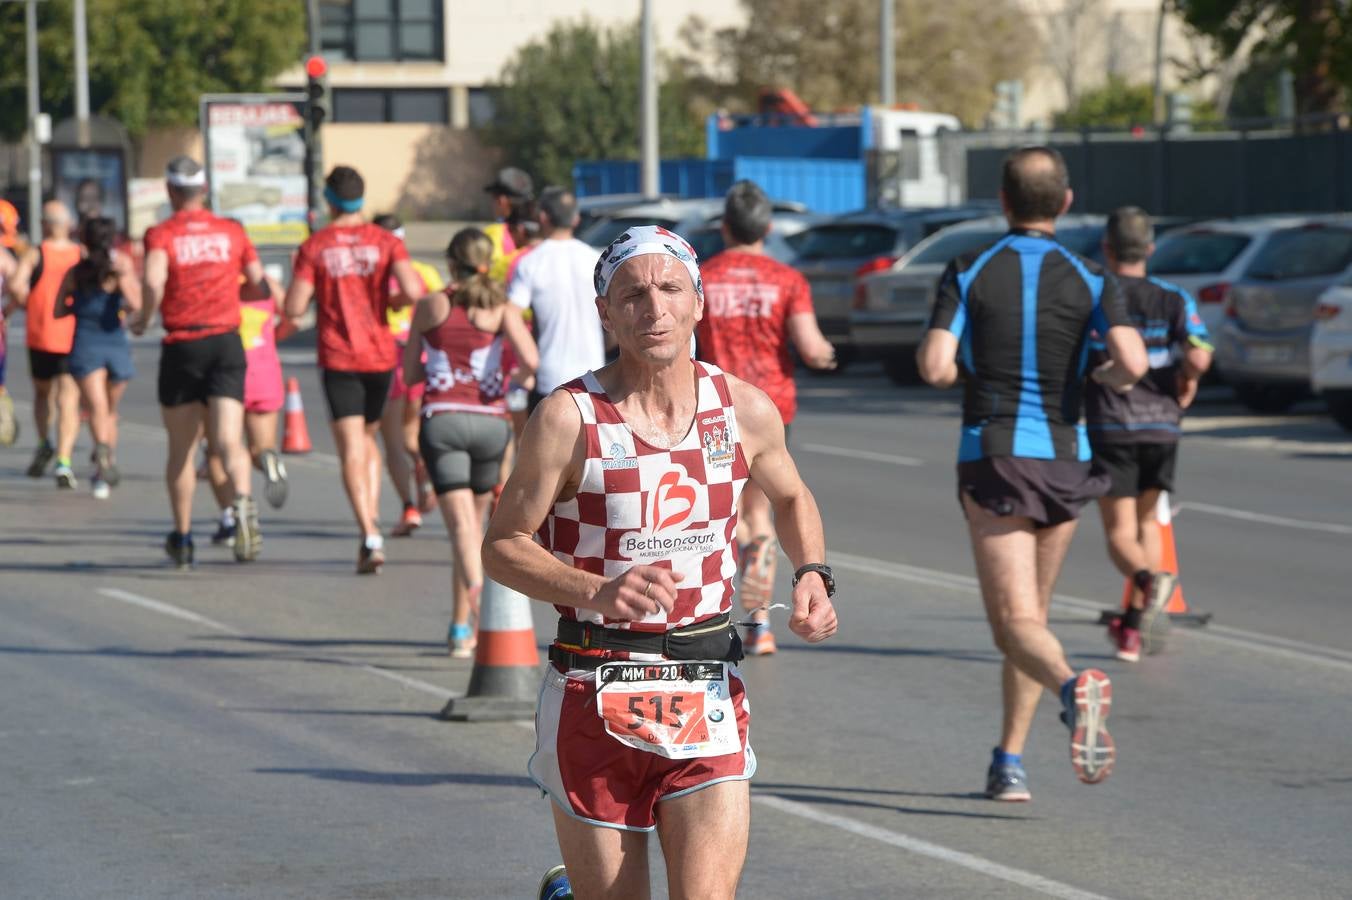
[(1200, 174)]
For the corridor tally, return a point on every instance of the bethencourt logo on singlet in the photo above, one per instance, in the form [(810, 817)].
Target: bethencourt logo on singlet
[(671, 505)]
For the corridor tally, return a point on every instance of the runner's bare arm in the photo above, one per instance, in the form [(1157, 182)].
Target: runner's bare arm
[(430, 309), (548, 464), (807, 338), (298, 298), (18, 285), (937, 358), (410, 285), (1127, 363), (523, 345), (256, 285), (797, 518), (127, 282), (153, 280)]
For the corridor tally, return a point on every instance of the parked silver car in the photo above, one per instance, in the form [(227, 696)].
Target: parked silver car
[(685, 216), (889, 319), (1263, 345), (835, 254), (1207, 258)]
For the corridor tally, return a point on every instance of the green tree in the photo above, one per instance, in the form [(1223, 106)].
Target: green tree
[(1316, 35), (149, 60), (1115, 104), (949, 56), (574, 94)]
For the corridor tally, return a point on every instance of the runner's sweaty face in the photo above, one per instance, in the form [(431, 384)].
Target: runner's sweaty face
[(651, 308)]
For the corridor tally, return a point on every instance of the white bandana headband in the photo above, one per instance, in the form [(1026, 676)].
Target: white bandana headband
[(646, 239), (198, 179)]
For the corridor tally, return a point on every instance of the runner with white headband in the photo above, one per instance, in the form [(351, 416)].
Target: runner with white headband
[(630, 477), (192, 277)]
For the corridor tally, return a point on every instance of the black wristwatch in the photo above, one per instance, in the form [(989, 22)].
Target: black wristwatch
[(821, 569)]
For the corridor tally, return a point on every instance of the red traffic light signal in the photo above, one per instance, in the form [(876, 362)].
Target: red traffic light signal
[(316, 67)]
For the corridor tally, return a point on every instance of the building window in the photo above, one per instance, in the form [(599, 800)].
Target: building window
[(391, 105), (483, 107), (381, 30)]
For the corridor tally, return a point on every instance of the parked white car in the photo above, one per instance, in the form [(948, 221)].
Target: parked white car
[(1331, 352), (1207, 258)]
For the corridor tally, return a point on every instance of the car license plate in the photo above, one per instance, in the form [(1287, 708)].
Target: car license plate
[(1273, 355)]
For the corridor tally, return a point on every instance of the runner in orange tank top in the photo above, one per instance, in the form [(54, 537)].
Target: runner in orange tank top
[(55, 394)]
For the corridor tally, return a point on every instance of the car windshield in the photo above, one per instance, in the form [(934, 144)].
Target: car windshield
[(602, 232), (844, 242), (1197, 252), (1302, 253), (708, 242), (954, 243)]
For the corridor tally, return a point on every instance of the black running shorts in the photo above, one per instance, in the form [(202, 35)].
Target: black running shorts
[(195, 371), (356, 394), (463, 450), (1048, 491), (1136, 468), (44, 366)]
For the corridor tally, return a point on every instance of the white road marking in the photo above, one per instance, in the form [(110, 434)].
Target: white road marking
[(1246, 516), (828, 450), (178, 612), (920, 847), (166, 609), (417, 684), (1298, 651)]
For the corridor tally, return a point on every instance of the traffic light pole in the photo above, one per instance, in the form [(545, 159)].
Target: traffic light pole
[(34, 147), (314, 145)]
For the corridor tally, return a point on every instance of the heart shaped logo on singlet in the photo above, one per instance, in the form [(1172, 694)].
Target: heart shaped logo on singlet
[(667, 500)]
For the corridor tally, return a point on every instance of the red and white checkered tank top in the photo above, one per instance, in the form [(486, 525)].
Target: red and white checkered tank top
[(642, 505), (463, 368)]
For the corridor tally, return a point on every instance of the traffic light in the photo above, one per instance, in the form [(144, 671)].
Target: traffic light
[(317, 89)]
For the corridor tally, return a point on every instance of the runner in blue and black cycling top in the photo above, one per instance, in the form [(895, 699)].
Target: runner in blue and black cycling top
[(1014, 319), (1135, 435)]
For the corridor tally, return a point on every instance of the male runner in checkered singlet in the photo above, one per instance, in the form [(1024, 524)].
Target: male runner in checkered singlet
[(622, 512)]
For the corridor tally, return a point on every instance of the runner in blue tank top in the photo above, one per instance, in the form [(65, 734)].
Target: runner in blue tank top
[(1014, 321)]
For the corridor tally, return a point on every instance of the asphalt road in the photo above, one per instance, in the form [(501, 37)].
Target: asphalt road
[(269, 730)]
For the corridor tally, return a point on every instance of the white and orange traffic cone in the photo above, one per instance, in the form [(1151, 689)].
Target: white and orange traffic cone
[(1177, 608), (506, 678), (295, 433)]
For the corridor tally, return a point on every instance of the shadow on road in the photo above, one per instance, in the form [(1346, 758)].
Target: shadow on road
[(923, 652), (405, 779), (904, 810)]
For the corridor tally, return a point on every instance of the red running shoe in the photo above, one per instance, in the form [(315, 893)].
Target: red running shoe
[(409, 522)]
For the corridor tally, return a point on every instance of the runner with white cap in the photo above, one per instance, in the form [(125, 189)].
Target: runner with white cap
[(630, 477), (192, 278)]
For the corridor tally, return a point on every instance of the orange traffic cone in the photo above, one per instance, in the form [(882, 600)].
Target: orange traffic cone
[(295, 434), (506, 678), (1177, 608)]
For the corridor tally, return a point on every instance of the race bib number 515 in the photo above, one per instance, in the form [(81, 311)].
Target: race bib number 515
[(680, 710)]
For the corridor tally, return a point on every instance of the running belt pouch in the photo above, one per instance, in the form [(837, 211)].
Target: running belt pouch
[(710, 640)]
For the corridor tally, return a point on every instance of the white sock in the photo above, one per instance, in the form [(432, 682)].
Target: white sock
[(375, 542), (228, 517)]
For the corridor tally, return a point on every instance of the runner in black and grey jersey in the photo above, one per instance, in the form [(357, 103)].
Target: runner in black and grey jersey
[(1135, 434)]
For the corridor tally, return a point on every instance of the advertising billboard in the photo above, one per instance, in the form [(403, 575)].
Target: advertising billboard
[(255, 157)]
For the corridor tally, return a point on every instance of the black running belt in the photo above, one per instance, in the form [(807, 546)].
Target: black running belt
[(711, 639)]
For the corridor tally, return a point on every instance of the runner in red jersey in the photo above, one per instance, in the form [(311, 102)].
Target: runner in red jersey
[(348, 267), (621, 512), (192, 278), (755, 309)]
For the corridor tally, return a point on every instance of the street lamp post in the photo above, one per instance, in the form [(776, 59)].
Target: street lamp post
[(34, 147), (648, 151), (888, 54), (81, 75)]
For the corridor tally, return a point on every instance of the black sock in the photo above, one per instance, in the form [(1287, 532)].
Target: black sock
[(1143, 580), (1132, 618)]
